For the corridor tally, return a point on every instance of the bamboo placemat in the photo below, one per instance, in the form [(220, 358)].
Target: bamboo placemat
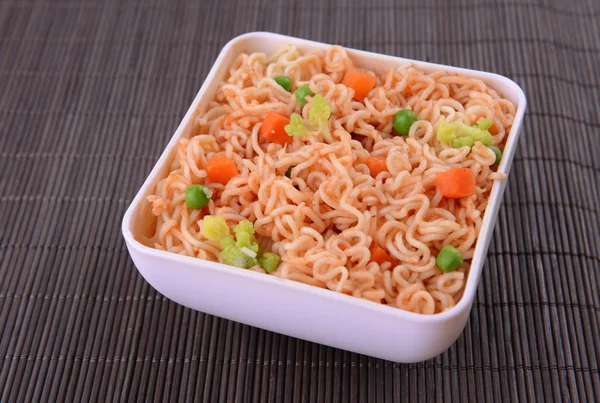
[(90, 93)]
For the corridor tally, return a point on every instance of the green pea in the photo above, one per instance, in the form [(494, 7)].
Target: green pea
[(498, 153), (285, 82), (301, 94), (403, 120), (288, 173), (197, 196), (449, 259)]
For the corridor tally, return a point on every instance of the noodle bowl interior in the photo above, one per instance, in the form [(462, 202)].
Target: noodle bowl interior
[(307, 167)]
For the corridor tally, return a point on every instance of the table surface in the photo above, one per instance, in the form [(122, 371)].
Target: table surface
[(91, 92)]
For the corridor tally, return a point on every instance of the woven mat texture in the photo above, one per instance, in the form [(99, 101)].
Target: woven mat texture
[(91, 92)]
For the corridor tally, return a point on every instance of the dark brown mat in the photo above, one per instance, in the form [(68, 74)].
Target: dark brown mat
[(90, 93)]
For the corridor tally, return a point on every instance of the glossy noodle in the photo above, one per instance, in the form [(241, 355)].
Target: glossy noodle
[(324, 220)]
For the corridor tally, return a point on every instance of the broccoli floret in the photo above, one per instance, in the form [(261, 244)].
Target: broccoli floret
[(460, 134), (463, 141), (234, 255), (241, 251), (483, 124), (244, 235), (269, 262)]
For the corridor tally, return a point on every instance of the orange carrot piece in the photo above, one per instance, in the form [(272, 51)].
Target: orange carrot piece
[(220, 169), (376, 165), (456, 183), (273, 128), (379, 255), (360, 82)]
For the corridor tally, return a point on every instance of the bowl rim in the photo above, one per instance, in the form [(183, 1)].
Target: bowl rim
[(494, 199)]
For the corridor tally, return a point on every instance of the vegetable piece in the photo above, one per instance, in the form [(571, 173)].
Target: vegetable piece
[(446, 132), (301, 94), (288, 173), (484, 124), (248, 252), (197, 196), (269, 262), (220, 169), (227, 241), (320, 110), (403, 120), (215, 228), (498, 153), (296, 127), (239, 252), (477, 134), (319, 114), (462, 141), (285, 82), (376, 165), (273, 128), (379, 255), (456, 183), (360, 82), (484, 137), (244, 236), (233, 255), (449, 259)]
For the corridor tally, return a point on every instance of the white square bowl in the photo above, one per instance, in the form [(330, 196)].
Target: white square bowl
[(297, 309)]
